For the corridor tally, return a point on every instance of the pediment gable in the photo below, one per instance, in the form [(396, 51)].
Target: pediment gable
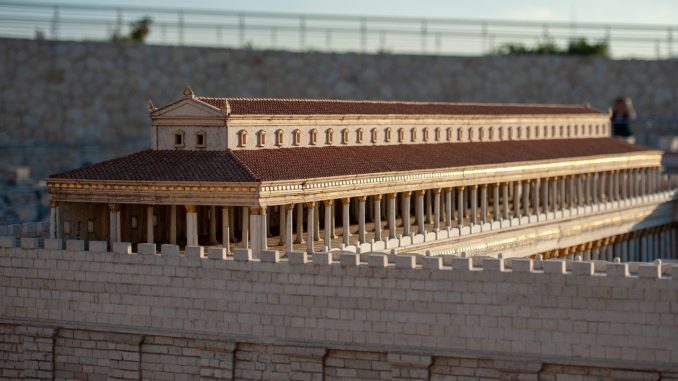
[(188, 107)]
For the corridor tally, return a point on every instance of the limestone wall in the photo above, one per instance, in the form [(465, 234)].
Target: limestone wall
[(81, 102), (153, 315)]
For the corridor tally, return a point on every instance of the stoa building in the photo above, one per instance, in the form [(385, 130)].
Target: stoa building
[(375, 176)]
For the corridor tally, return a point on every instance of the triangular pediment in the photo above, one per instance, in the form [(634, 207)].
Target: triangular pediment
[(188, 107)]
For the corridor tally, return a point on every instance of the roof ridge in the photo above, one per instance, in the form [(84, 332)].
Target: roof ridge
[(395, 101)]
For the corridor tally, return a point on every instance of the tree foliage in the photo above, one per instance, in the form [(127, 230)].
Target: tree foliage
[(139, 30), (575, 47)]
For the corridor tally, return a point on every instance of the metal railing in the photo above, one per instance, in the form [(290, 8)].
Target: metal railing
[(322, 32)]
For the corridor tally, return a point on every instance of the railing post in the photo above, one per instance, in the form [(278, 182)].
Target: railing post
[(363, 34), (55, 23), (423, 36), (302, 32), (241, 29), (181, 27)]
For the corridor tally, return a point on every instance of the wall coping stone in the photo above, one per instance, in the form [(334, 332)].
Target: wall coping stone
[(122, 247), (146, 248), (522, 265), (405, 261), (583, 268), (75, 245), (98, 246), (30, 243), (216, 252), (377, 260), (650, 270), (493, 264), (618, 269), (432, 263), (242, 255), (54, 244), (272, 256), (554, 266), (169, 249), (194, 251), (297, 257), (322, 258), (7, 241), (462, 264), (349, 259)]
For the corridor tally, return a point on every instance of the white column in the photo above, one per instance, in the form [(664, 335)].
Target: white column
[(149, 224), (505, 199), (429, 216), (226, 228), (461, 207), (53, 220), (474, 205), (405, 212), (516, 199), (346, 219), (420, 212), (245, 234), (526, 197), (376, 200), (483, 204), (309, 226), (361, 219), (535, 197), (257, 227), (173, 225), (495, 202), (595, 188), (316, 222), (282, 219), (392, 228), (448, 207), (113, 222), (300, 224), (554, 196), (328, 224), (545, 195), (289, 213), (191, 226), (436, 209), (561, 182)]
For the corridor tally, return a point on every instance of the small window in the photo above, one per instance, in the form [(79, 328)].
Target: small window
[(546, 131), (329, 136), (243, 138), (401, 135), (500, 132), (413, 134), (387, 135), (359, 136), (374, 135), (262, 138), (519, 132), (313, 137), (470, 134), (67, 227), (179, 139), (481, 134), (425, 134), (90, 226), (536, 131), (279, 138), (527, 132), (490, 134), (296, 137), (597, 129), (135, 222), (344, 136), (562, 132), (200, 140), (460, 135), (437, 134), (591, 130), (449, 134), (553, 131), (510, 133)]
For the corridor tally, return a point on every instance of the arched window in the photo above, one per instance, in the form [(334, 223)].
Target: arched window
[(500, 133), (243, 138), (546, 131), (359, 136), (329, 136), (374, 135), (401, 135), (425, 135), (562, 132), (437, 134), (591, 130), (449, 134), (413, 134), (597, 129), (553, 131), (179, 139), (470, 134), (313, 137), (460, 135), (481, 134), (510, 133), (536, 131), (296, 137), (262, 138), (519, 132), (387, 135), (344, 136), (200, 139), (279, 138), (490, 133)]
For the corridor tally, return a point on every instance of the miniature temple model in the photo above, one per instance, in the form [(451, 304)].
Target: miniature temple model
[(366, 176)]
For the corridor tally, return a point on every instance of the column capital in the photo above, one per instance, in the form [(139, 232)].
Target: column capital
[(474, 187), (55, 203), (257, 210), (111, 207), (420, 192), (392, 196), (448, 189), (289, 207), (376, 197), (327, 203), (406, 193), (345, 200), (461, 188), (436, 190), (310, 205), (190, 208), (362, 198), (225, 207)]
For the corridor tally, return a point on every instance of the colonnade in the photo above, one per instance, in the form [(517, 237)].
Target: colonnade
[(384, 217), (645, 245)]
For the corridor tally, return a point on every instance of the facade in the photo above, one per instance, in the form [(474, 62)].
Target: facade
[(373, 176)]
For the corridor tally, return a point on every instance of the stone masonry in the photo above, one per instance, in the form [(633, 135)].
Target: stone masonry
[(74, 314)]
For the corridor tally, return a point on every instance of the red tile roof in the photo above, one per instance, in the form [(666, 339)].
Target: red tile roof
[(307, 163), (272, 106)]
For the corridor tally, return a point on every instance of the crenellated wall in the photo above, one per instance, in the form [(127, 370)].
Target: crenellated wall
[(163, 315)]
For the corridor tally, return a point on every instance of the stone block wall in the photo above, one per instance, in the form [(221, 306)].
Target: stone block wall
[(134, 316)]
